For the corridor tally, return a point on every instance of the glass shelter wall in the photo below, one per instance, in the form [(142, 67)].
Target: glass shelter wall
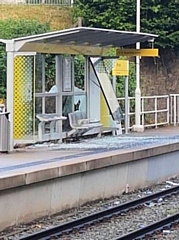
[(47, 84), (80, 86)]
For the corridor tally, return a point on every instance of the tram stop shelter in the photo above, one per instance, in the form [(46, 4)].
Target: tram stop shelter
[(40, 84)]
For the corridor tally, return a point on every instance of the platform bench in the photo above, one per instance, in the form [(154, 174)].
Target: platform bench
[(80, 124), (52, 119)]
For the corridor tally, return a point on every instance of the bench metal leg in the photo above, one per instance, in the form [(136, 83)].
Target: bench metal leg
[(52, 129), (114, 133), (41, 130), (99, 134), (71, 132)]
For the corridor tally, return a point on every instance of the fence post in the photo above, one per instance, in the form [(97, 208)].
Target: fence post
[(128, 116), (168, 106), (177, 108), (155, 112), (142, 111), (171, 110), (174, 109)]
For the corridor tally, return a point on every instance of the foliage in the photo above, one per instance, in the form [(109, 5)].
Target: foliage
[(162, 18), (79, 71), (104, 13), (50, 71), (157, 16), (13, 29)]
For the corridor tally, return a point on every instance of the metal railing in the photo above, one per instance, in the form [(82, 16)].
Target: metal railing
[(39, 2), (131, 110), (155, 110), (174, 109), (156, 119)]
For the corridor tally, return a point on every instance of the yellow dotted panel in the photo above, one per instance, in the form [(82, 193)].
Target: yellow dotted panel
[(23, 96), (106, 119), (104, 111)]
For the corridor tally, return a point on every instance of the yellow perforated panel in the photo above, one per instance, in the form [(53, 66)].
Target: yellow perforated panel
[(23, 97), (104, 110)]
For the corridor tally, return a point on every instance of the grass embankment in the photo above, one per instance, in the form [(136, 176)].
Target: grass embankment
[(57, 17)]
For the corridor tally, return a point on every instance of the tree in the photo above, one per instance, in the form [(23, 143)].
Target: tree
[(157, 16), (13, 29), (162, 18), (106, 14)]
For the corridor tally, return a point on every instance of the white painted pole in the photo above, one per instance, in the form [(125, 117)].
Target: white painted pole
[(137, 91), (137, 127), (10, 95), (59, 98), (114, 80), (87, 84), (126, 103), (114, 83)]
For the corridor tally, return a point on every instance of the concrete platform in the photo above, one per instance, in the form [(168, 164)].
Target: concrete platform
[(48, 178), (44, 155)]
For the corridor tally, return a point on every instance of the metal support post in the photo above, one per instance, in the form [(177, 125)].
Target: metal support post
[(43, 83), (114, 79), (58, 66), (114, 83), (126, 104), (138, 127), (10, 93), (73, 81), (87, 86)]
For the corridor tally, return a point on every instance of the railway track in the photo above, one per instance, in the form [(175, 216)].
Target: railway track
[(57, 231), (150, 229)]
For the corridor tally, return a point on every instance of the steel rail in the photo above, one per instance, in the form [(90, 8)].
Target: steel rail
[(97, 217), (150, 229)]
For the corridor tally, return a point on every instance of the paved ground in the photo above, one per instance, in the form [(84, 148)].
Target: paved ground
[(44, 155)]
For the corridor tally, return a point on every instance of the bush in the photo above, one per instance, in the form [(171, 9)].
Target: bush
[(13, 29)]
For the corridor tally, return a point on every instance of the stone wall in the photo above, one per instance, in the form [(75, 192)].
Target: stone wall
[(159, 76)]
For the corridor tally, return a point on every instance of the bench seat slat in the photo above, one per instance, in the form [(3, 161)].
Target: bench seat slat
[(49, 117)]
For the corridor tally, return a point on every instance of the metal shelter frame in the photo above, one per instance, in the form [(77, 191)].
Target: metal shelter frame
[(81, 40)]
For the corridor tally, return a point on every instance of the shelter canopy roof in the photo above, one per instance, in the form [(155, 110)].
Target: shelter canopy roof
[(80, 40)]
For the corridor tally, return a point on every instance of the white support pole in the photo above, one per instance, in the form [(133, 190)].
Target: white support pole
[(138, 127), (58, 73), (43, 83), (10, 95), (114, 83), (73, 80), (87, 84), (126, 104), (114, 79), (58, 67)]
